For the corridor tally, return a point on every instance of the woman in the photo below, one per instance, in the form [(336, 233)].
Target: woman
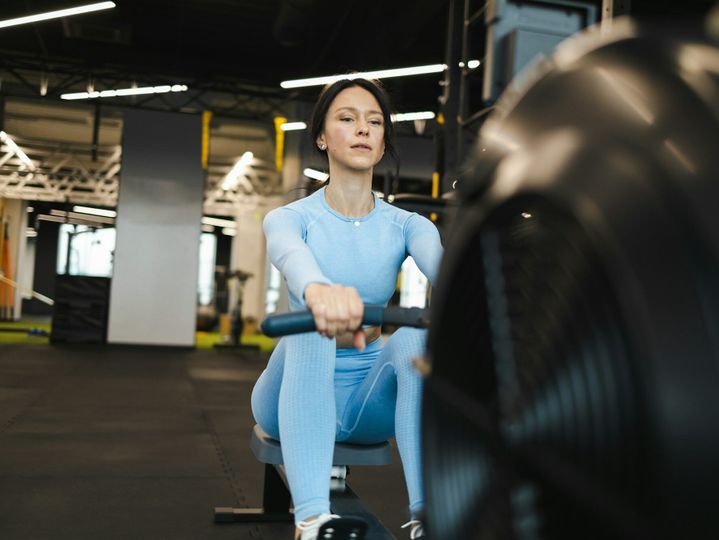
[(337, 249)]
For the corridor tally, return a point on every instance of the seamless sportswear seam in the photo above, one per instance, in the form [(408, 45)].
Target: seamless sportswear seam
[(406, 224), (307, 222), (366, 399)]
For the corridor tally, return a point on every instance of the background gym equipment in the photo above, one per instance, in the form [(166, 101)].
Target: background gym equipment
[(575, 345), (238, 278), (343, 501), (81, 309)]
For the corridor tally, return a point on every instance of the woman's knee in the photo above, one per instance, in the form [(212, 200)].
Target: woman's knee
[(263, 403), (413, 340), (407, 344)]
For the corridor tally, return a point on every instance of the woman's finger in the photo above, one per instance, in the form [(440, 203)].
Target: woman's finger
[(341, 308), (356, 308), (331, 315), (318, 312), (359, 340)]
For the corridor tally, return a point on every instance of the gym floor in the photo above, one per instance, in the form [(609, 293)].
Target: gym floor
[(140, 443)]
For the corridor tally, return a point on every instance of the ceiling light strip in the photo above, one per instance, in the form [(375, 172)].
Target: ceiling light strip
[(408, 117), (315, 174), (95, 211), (163, 89), (293, 126), (236, 174), (380, 74), (57, 14), (218, 222), (399, 117)]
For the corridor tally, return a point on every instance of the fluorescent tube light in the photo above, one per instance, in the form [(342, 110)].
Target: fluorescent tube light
[(163, 89), (400, 117), (57, 14), (217, 222), (208, 229), (236, 174), (30, 233), (315, 174), (406, 117), (293, 126), (5, 138), (94, 211), (380, 74), (229, 232), (84, 217)]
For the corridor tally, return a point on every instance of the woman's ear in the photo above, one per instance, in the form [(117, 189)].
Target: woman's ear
[(321, 144)]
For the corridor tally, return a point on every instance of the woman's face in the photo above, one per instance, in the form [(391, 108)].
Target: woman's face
[(354, 130)]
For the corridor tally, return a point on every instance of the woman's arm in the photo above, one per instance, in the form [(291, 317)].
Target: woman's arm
[(285, 231), (336, 309), (424, 245)]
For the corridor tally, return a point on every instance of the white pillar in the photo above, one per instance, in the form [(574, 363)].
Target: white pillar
[(153, 297)]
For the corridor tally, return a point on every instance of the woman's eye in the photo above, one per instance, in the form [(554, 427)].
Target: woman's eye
[(346, 119), (376, 122)]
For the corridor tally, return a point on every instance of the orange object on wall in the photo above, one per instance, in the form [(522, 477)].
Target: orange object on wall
[(6, 291)]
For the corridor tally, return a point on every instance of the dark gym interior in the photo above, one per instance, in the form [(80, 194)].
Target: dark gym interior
[(566, 150)]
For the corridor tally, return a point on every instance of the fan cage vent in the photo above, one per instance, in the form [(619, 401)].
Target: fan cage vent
[(531, 337)]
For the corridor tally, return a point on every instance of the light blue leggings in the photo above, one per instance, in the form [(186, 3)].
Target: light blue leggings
[(312, 394)]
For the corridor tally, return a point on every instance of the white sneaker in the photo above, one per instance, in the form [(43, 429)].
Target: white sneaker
[(310, 528), (417, 529)]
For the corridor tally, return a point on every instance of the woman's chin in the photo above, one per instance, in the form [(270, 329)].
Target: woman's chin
[(363, 163)]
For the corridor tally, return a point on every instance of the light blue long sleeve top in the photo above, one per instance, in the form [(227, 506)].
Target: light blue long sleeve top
[(308, 242)]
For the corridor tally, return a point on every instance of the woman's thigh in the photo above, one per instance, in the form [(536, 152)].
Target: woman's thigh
[(266, 392), (304, 359), (369, 413)]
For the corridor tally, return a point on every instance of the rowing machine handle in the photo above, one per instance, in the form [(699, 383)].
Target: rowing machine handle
[(300, 322)]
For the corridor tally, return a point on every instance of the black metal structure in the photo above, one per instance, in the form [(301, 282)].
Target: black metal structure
[(488, 43), (276, 498), (574, 345)]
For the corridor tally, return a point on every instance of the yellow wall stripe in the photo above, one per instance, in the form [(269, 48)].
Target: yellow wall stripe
[(206, 119), (279, 142)]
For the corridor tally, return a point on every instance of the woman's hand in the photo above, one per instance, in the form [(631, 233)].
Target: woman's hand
[(336, 310)]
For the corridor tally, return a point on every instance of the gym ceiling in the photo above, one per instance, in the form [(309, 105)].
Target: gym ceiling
[(242, 45), (245, 46), (231, 54)]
